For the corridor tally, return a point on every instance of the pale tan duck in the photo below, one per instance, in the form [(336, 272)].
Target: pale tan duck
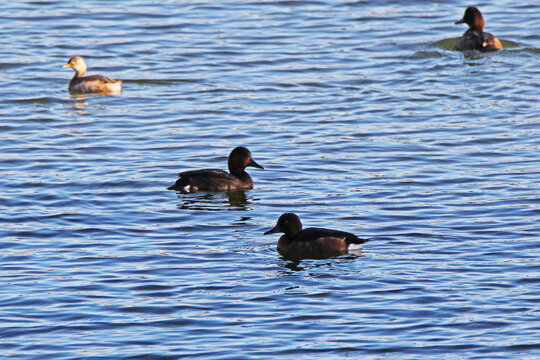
[(90, 84)]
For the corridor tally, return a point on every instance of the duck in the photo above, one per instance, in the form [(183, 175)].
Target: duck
[(90, 84), (310, 242), (475, 38), (218, 180)]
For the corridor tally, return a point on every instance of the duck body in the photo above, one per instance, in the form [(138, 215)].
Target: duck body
[(472, 40), (310, 242), (95, 84), (211, 180), (475, 38), (90, 84), (218, 180)]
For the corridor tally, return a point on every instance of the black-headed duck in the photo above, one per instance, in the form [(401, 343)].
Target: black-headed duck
[(90, 84), (218, 180), (310, 242), (475, 38)]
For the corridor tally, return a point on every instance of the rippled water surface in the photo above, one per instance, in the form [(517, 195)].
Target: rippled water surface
[(364, 119)]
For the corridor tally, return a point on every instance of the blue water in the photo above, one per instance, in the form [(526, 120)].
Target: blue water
[(365, 121)]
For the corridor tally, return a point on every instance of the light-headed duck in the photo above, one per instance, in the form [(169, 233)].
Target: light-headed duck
[(90, 84)]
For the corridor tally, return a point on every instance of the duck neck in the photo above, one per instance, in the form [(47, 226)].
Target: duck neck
[(285, 239), (239, 173), (291, 234), (79, 73), (244, 177), (477, 25)]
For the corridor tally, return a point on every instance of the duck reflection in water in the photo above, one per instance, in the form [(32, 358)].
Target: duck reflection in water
[(311, 265), (234, 200)]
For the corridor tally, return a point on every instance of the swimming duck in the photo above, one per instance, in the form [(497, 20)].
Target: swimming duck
[(311, 241), (475, 38), (218, 180), (90, 84)]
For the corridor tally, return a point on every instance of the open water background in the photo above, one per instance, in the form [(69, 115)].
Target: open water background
[(364, 119)]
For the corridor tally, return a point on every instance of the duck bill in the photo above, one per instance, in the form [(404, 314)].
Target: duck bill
[(67, 65), (460, 22), (272, 231), (254, 164)]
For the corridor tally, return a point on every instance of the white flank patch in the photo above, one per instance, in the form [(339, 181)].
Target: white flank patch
[(355, 247)]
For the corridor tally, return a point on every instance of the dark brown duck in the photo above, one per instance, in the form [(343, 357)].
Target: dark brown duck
[(218, 180), (475, 38), (310, 242)]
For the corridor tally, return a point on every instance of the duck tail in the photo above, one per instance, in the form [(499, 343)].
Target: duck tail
[(355, 240)]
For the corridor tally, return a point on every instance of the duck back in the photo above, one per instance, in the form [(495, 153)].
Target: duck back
[(210, 180), (472, 40), (95, 84), (317, 242)]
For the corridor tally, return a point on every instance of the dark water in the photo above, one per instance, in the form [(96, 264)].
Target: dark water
[(364, 120)]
